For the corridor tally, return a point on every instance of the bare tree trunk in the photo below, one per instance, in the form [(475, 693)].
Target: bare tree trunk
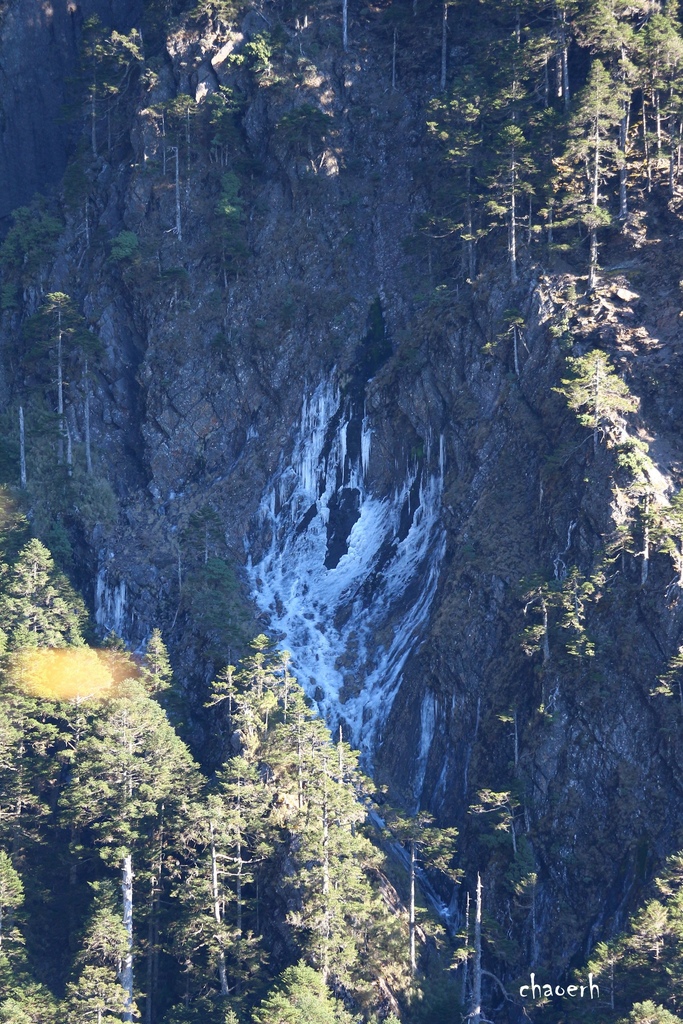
[(413, 960), (470, 239), (127, 965), (444, 44), (93, 119), (514, 722), (623, 169), (300, 765), (593, 270), (646, 146), (222, 974), (393, 60), (565, 63), (60, 390), (69, 451), (596, 402), (463, 991), (513, 221), (22, 448), (178, 226), (658, 124), (646, 542), (514, 344), (326, 873), (475, 1015), (546, 641), (345, 24), (86, 418)]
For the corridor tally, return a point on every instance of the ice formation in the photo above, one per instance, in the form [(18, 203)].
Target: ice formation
[(347, 577), (110, 604)]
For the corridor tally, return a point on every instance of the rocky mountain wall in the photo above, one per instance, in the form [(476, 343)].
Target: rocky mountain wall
[(40, 47), (461, 474)]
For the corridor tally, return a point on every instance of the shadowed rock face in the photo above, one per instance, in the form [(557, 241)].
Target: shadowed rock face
[(39, 44), (201, 399)]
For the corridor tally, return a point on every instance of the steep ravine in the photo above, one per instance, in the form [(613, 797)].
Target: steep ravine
[(382, 521)]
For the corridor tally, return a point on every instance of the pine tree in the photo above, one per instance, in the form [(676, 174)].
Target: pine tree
[(592, 155), (96, 996), (58, 330), (156, 672), (608, 27), (301, 997), (11, 897), (661, 60), (427, 846), (131, 765), (596, 393), (668, 531), (38, 606)]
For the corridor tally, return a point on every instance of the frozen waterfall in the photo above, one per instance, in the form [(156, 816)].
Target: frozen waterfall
[(348, 576), (110, 604)]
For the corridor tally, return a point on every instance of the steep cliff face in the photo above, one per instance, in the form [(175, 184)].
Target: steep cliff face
[(384, 469), (40, 49)]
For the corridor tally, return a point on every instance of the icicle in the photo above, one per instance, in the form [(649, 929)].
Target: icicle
[(110, 604), (327, 621), (365, 442)]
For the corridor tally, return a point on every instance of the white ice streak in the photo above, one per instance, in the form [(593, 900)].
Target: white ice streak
[(427, 725), (350, 628), (110, 604)]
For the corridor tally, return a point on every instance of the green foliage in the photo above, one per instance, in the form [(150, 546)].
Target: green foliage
[(9, 297), (213, 599), (28, 245), (303, 131), (301, 997), (111, 62), (38, 606), (229, 239), (124, 247), (95, 503), (260, 51), (642, 969), (596, 392), (225, 10), (668, 532), (224, 107), (96, 995)]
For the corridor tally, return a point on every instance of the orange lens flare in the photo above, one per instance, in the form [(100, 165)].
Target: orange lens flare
[(74, 673)]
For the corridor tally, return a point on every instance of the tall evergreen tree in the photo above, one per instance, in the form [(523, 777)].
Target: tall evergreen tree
[(596, 393), (592, 156)]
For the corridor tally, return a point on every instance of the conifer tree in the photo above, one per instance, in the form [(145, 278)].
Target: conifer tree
[(661, 60), (433, 847), (59, 331), (131, 765), (301, 997), (96, 996), (38, 606), (596, 393), (11, 897), (669, 533), (592, 155), (155, 672)]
